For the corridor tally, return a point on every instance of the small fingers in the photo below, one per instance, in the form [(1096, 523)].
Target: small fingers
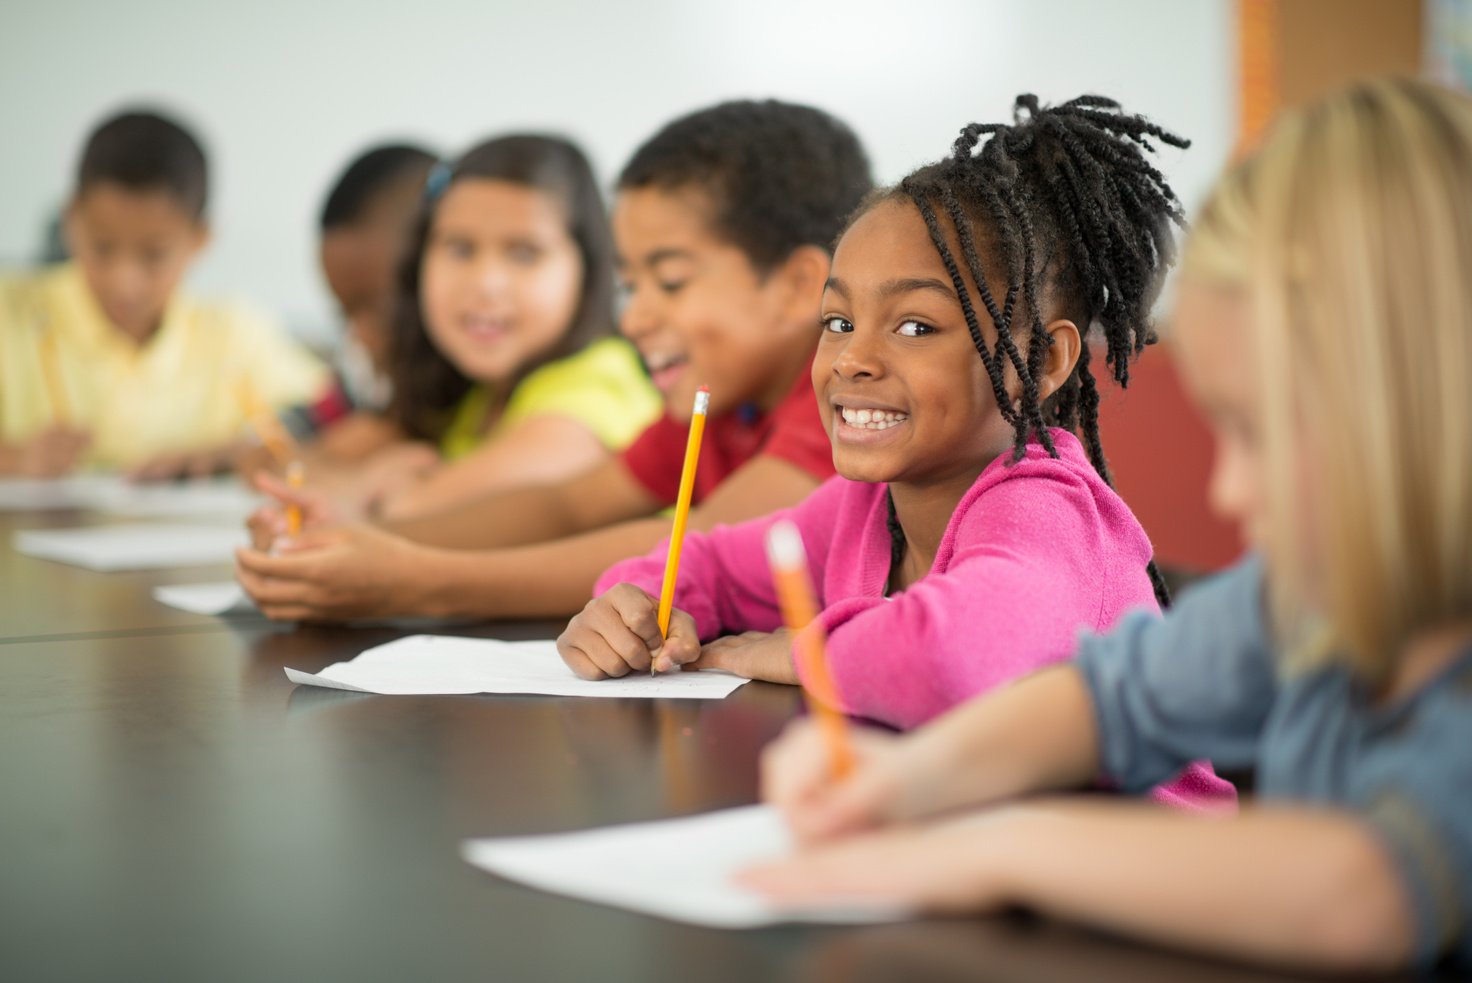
[(682, 647), (578, 661), (638, 611)]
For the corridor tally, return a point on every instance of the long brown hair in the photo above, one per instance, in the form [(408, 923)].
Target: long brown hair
[(426, 386)]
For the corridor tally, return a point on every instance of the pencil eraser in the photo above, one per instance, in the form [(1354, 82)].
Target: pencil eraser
[(784, 546)]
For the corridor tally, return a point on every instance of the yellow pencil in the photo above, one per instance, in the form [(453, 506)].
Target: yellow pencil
[(276, 438), (55, 388), (682, 512), (296, 475), (799, 608)]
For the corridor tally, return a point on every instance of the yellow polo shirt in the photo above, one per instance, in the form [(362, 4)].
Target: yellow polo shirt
[(182, 390), (603, 387)]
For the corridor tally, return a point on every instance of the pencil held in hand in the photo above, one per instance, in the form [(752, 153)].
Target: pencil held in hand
[(799, 609), (682, 511), (268, 429), (296, 476)]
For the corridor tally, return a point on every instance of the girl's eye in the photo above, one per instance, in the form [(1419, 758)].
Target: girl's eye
[(837, 325), (671, 286), (914, 329), (524, 253), (459, 248)]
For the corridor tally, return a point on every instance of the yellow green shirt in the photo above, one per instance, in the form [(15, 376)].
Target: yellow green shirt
[(183, 389), (603, 387)]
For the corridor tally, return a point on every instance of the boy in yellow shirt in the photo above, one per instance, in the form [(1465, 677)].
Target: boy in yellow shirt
[(102, 362)]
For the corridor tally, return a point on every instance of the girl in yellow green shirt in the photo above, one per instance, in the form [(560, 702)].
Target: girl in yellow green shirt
[(504, 366)]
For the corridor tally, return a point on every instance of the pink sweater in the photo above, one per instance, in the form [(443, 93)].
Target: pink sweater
[(1035, 553)]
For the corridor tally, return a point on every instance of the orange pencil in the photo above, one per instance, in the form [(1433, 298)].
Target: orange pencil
[(799, 608), (682, 512), (268, 429), (296, 475), (55, 389)]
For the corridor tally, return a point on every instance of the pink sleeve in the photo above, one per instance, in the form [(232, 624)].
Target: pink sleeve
[(1030, 569), (724, 582)]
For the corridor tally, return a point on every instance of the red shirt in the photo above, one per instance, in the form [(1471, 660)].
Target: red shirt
[(792, 432)]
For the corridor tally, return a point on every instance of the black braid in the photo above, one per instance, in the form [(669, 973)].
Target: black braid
[(896, 537), (1079, 218)]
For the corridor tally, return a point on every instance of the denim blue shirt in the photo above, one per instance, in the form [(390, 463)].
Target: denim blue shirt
[(1205, 682)]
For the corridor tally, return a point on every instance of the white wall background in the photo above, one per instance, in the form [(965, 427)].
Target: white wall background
[(282, 93)]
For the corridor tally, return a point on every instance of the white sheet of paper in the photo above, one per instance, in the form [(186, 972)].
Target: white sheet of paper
[(38, 494), (222, 498), (223, 598), (217, 497), (425, 665), (134, 547), (680, 869)]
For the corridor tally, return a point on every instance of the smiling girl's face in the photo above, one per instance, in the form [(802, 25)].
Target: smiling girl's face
[(903, 392), (500, 279)]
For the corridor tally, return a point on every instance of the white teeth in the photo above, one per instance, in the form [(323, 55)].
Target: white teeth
[(872, 419)]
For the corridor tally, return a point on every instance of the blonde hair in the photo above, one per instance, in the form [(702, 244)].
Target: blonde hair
[(1351, 232)]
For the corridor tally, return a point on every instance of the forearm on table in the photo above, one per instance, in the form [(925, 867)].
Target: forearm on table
[(352, 439), (1034, 735), (544, 580), (506, 519), (1310, 888)]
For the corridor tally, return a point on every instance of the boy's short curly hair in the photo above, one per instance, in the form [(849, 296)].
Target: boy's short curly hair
[(369, 175), (144, 151), (780, 175)]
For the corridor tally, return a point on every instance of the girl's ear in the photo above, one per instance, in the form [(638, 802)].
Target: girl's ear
[(1062, 356)]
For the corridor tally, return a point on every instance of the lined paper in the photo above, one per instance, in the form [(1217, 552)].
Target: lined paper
[(224, 498), (134, 547), (680, 869), (226, 597), (426, 665)]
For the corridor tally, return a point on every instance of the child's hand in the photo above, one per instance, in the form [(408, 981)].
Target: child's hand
[(753, 654), (953, 866), (367, 489), (52, 453), (269, 524), (618, 633), (188, 464), (797, 778), (375, 483), (336, 574)]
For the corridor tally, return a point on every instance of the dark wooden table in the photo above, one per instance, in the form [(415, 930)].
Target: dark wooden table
[(172, 808)]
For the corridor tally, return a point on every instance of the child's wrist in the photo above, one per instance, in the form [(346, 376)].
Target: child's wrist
[(935, 778), (431, 594)]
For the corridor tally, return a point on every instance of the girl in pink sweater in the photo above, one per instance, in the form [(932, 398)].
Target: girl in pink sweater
[(969, 535)]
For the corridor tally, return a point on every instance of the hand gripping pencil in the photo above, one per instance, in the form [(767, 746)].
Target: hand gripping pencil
[(279, 442), (268, 429), (296, 476), (682, 512), (799, 609)]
